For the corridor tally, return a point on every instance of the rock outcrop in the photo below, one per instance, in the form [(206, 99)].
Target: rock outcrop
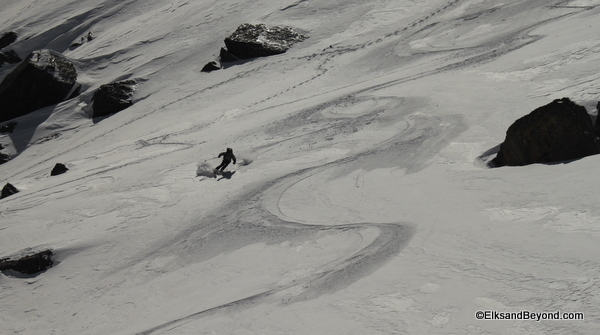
[(113, 98), (81, 41), (59, 168), (10, 57), (259, 40), (559, 131), (7, 39), (28, 264), (211, 66), (43, 79), (255, 40), (3, 157), (597, 124), (8, 127), (8, 190)]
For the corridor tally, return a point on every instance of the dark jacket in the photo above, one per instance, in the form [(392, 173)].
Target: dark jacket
[(228, 156)]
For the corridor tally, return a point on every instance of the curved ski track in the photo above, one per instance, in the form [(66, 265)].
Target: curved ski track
[(251, 223), (247, 219), (254, 217)]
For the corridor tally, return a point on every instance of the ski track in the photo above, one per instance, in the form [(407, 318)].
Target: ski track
[(250, 217), (250, 223), (254, 217), (457, 58)]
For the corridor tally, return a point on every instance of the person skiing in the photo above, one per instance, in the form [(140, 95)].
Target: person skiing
[(227, 158)]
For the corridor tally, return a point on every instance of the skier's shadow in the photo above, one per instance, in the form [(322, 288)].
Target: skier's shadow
[(225, 175)]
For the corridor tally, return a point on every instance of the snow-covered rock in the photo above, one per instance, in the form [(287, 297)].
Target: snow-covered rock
[(259, 40), (44, 78), (113, 98)]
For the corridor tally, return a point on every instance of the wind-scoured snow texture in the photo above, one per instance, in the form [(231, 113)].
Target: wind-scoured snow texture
[(367, 207)]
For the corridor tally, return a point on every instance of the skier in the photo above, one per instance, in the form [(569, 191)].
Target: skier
[(227, 158)]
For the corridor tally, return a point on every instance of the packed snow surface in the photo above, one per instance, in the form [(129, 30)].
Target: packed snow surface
[(361, 202)]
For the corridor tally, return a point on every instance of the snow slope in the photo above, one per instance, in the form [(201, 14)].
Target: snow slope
[(361, 204)]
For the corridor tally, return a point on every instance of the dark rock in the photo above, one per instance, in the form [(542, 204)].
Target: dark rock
[(8, 190), (75, 45), (597, 124), (43, 79), (212, 66), (9, 57), (559, 131), (250, 40), (226, 57), (3, 157), (8, 127), (8, 39), (113, 98), (59, 168), (30, 264), (82, 40)]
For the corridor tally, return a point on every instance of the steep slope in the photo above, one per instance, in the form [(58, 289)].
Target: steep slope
[(361, 204)]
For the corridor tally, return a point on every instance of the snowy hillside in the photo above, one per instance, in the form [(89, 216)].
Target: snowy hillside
[(361, 202)]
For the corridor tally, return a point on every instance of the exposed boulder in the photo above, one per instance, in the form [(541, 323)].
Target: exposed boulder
[(211, 66), (10, 57), (3, 157), (559, 131), (8, 190), (45, 78), (8, 127), (258, 40), (597, 124), (255, 40), (8, 39), (112, 98), (29, 264), (81, 41), (59, 168)]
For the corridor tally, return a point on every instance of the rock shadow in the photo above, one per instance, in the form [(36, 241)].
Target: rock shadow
[(485, 159), (27, 126)]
